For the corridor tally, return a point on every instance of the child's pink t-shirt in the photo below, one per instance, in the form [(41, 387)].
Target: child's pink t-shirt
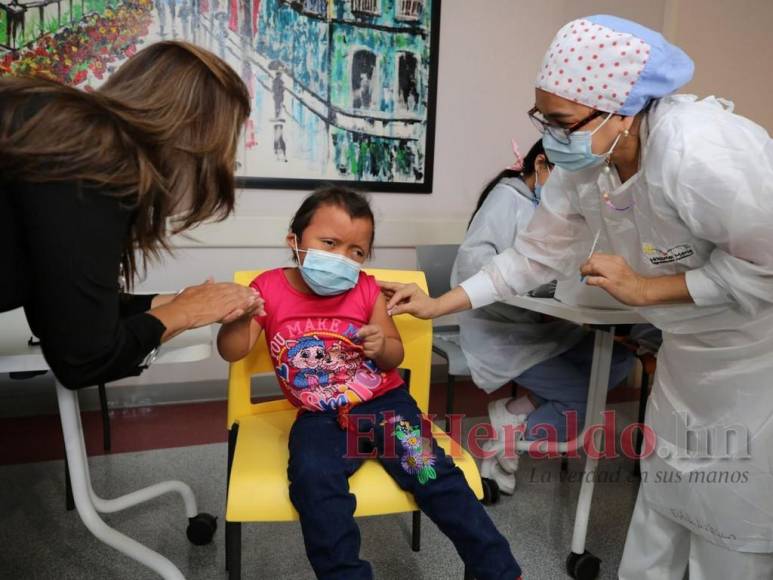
[(312, 340)]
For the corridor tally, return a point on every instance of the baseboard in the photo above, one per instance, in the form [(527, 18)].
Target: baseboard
[(36, 396)]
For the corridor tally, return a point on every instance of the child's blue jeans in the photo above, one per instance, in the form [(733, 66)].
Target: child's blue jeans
[(319, 468)]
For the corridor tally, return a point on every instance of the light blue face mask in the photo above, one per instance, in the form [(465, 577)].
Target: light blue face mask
[(328, 274), (537, 193), (578, 153)]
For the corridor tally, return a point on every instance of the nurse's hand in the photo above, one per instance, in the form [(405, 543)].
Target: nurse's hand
[(613, 274), (408, 299)]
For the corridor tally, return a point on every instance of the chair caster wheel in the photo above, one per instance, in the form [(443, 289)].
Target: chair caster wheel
[(490, 491), (201, 529), (583, 566)]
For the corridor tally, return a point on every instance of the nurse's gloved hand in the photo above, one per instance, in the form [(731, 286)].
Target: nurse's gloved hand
[(408, 299), (613, 274)]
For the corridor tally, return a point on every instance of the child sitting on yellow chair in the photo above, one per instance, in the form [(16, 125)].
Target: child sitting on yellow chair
[(336, 351)]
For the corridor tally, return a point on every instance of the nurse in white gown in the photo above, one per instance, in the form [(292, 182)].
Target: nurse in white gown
[(551, 358), (682, 189)]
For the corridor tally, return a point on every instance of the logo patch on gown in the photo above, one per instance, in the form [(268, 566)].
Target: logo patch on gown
[(658, 257)]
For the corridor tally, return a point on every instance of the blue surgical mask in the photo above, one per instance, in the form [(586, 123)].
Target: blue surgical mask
[(328, 274), (578, 153)]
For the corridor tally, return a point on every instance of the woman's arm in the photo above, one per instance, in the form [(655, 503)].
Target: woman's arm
[(410, 299), (137, 303), (206, 303), (613, 274), (493, 229), (552, 246), (73, 241), (728, 204), (161, 299)]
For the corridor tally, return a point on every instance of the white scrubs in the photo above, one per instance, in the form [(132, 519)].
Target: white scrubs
[(502, 342), (702, 204)]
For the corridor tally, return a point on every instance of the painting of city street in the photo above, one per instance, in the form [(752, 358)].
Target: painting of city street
[(342, 91)]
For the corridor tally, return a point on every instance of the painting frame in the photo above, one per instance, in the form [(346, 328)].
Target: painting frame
[(425, 186), (347, 88)]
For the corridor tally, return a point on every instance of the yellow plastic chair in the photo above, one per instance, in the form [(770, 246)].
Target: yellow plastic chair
[(258, 489)]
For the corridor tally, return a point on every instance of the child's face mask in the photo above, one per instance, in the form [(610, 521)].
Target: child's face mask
[(327, 274)]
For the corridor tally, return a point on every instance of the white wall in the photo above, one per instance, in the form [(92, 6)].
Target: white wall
[(732, 46)]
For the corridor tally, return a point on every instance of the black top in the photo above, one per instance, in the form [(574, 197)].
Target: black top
[(60, 252)]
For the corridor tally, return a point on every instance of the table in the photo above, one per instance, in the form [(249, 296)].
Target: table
[(581, 563), (16, 356)]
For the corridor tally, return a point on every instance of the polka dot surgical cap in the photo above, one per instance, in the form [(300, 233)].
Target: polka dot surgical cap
[(613, 65)]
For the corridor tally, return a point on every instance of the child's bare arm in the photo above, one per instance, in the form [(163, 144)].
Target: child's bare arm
[(380, 338), (236, 339)]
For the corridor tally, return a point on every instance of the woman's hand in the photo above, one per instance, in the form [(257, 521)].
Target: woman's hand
[(207, 303), (221, 302), (613, 274), (408, 299)]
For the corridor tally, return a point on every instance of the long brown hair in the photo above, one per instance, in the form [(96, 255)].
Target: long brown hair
[(161, 134)]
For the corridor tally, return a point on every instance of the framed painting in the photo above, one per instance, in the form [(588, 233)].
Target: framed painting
[(343, 91)]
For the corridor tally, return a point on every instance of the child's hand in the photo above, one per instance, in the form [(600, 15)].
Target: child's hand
[(373, 340), (246, 314)]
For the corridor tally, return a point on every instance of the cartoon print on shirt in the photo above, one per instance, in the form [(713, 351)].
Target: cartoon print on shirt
[(341, 363), (326, 370), (308, 356)]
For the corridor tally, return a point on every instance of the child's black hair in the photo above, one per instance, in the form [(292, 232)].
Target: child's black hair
[(528, 169), (355, 204)]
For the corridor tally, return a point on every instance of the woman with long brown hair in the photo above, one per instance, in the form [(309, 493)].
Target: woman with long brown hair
[(92, 185)]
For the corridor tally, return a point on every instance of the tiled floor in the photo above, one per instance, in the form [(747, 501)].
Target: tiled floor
[(40, 540)]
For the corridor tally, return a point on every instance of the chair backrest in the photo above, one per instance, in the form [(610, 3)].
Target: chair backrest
[(437, 261), (417, 342)]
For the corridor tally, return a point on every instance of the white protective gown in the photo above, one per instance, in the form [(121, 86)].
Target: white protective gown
[(501, 341), (702, 204)]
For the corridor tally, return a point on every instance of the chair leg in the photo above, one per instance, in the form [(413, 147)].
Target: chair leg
[(416, 532), (643, 395), (229, 540), (449, 400), (105, 417), (467, 574), (233, 550), (89, 505), (233, 434), (69, 501)]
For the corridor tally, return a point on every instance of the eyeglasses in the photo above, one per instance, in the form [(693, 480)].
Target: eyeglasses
[(558, 132)]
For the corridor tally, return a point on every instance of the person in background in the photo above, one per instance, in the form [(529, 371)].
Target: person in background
[(502, 343)]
